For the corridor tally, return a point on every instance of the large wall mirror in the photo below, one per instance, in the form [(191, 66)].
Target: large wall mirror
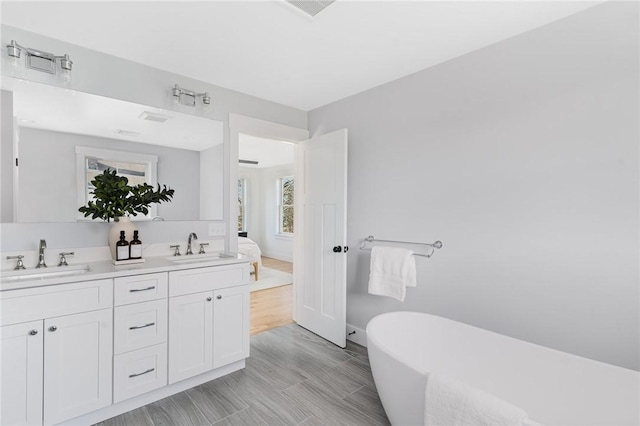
[(58, 139)]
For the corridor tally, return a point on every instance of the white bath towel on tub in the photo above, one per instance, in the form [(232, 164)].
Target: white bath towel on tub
[(449, 402), (392, 270)]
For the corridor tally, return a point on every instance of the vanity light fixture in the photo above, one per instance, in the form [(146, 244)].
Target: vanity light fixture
[(188, 97), (39, 60)]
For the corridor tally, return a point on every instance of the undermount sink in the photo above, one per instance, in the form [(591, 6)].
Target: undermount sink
[(43, 273), (196, 258)]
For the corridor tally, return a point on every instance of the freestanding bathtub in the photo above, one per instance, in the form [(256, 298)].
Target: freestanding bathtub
[(553, 387)]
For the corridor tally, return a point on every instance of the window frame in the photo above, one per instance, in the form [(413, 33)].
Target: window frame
[(82, 185), (281, 205), (244, 203)]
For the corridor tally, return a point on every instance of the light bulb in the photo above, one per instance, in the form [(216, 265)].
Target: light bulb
[(66, 77)]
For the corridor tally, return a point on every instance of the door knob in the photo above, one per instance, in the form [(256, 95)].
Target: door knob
[(219, 297), (337, 249), (33, 332), (53, 328)]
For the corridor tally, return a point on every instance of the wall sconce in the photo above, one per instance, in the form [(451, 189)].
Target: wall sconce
[(188, 97), (40, 61)]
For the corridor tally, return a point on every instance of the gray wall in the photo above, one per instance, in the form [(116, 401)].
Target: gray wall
[(106, 75), (54, 183), (522, 158)]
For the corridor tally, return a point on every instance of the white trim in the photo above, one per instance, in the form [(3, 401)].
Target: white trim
[(265, 129), (358, 335)]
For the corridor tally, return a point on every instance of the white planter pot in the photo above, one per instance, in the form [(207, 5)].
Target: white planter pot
[(120, 224)]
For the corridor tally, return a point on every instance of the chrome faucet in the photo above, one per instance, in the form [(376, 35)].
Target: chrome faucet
[(43, 245), (191, 236)]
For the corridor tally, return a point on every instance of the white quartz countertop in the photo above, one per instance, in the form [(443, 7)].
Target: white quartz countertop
[(105, 269)]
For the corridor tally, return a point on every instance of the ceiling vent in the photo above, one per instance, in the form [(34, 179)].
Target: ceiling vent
[(152, 116), (310, 7)]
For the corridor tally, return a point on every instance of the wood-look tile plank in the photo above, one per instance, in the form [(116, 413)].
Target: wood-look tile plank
[(216, 400), (367, 401), (246, 417), (178, 409), (138, 417), (325, 406)]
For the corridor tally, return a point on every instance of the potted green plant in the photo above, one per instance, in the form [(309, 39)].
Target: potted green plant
[(116, 200)]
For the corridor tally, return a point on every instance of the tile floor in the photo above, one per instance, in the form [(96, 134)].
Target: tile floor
[(293, 377)]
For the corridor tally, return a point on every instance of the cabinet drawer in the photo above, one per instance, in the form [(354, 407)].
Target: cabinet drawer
[(55, 300), (140, 325), (206, 279), (140, 288), (137, 372)]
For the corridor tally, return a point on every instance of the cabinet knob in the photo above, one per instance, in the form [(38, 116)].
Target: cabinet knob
[(208, 299), (33, 332), (219, 297), (53, 328)]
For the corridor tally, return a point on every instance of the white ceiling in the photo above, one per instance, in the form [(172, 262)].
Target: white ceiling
[(272, 50), (41, 106), (268, 152)]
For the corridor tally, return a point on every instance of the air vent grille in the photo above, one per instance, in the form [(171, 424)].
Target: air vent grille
[(311, 7), (152, 116)]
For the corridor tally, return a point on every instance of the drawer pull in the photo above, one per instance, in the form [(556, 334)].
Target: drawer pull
[(53, 328), (33, 332), (136, 327), (133, 290), (219, 297), (140, 374)]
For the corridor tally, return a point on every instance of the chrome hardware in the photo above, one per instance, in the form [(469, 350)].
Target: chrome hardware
[(63, 258), (346, 249), (19, 264), (191, 237), (434, 246), (133, 290), (53, 328), (136, 327), (337, 249), (177, 251), (219, 297), (208, 299), (202, 248), (33, 332), (41, 263), (140, 374)]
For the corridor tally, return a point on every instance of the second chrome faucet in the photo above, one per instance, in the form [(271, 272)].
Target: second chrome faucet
[(41, 263), (192, 236)]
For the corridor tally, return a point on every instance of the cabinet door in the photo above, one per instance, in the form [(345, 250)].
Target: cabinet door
[(77, 364), (21, 349), (230, 325), (190, 335)]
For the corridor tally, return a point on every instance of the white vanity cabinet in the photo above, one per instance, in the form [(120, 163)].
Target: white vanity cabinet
[(77, 364), (79, 352), (140, 335), (56, 352), (208, 319), (21, 354)]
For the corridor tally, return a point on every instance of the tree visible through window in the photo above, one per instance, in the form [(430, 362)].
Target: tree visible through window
[(242, 198), (286, 205)]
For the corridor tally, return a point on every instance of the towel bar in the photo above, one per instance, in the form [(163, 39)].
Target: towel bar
[(434, 246)]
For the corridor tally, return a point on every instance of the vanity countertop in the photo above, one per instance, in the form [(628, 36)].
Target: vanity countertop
[(105, 269)]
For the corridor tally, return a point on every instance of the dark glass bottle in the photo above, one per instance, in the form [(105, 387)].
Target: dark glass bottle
[(135, 247), (122, 248)]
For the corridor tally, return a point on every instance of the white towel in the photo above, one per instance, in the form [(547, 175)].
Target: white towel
[(453, 403), (392, 271)]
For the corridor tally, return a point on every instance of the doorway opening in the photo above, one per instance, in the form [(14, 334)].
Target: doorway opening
[(266, 187)]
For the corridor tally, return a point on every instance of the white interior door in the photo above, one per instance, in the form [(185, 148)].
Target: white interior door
[(320, 265)]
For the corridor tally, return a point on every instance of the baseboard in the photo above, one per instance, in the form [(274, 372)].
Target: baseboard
[(278, 256), (357, 335)]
